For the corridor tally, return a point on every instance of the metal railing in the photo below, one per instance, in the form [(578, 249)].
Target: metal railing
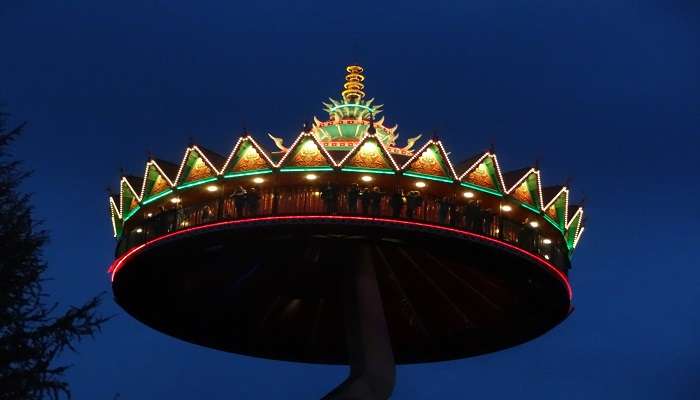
[(310, 200)]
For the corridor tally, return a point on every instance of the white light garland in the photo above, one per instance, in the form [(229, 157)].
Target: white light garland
[(149, 164), (235, 149), (184, 162), (318, 144)]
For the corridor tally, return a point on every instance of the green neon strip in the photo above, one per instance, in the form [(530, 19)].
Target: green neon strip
[(529, 207), (197, 183), (431, 177), (132, 212), (352, 105), (369, 171), (553, 223), (306, 169), (248, 173), (482, 189), (158, 196)]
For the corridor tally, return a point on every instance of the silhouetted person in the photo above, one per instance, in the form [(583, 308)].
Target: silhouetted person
[(413, 201), (365, 200), (396, 203), (443, 209), (207, 213), (375, 201), (455, 214), (328, 195), (253, 201), (526, 236), (275, 201), (471, 215), (353, 197), (239, 201)]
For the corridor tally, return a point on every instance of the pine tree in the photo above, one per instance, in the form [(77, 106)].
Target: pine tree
[(32, 332)]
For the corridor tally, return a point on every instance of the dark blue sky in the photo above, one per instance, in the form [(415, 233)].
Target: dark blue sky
[(605, 92)]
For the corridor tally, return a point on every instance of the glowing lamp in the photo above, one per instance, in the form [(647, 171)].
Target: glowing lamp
[(468, 195), (212, 188), (506, 208), (534, 224), (366, 178), (546, 256), (139, 230), (547, 241), (420, 184), (258, 180), (175, 200), (311, 177)]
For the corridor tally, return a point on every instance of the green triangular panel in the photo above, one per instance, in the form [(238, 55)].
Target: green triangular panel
[(527, 192), (430, 162), (484, 175), (128, 199), (306, 153), (571, 232), (247, 158), (369, 155), (195, 168), (155, 182), (557, 211), (117, 222)]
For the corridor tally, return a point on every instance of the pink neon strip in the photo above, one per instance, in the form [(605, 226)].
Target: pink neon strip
[(119, 262)]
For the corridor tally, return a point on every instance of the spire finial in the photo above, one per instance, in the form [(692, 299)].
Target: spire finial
[(353, 84), (371, 130)]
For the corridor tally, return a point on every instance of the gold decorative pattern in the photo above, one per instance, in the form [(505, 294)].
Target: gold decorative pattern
[(480, 176), (249, 160), (199, 170), (369, 156), (522, 193), (428, 163), (552, 212), (307, 154), (159, 185)]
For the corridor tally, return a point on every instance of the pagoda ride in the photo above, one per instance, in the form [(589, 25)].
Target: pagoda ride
[(344, 247)]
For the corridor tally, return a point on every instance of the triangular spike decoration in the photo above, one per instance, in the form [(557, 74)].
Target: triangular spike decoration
[(247, 156), (369, 153), (195, 166), (484, 172), (431, 160), (129, 198), (556, 204), (574, 226), (155, 181), (527, 189), (306, 151), (116, 217)]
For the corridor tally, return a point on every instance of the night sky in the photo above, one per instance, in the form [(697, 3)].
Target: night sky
[(605, 93)]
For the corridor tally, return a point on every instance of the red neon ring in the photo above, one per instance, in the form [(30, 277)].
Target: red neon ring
[(119, 262)]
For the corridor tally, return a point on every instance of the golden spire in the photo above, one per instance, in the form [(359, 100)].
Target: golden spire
[(353, 83)]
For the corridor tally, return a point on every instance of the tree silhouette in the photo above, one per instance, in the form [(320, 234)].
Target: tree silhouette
[(32, 332)]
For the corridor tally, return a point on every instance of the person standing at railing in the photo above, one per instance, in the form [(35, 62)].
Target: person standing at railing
[(253, 201), (396, 203), (471, 215), (365, 198), (375, 201), (328, 195), (239, 201), (455, 213), (443, 209), (413, 201), (353, 196), (207, 214), (275, 201)]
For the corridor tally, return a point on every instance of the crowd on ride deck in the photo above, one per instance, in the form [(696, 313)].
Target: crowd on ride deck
[(368, 201)]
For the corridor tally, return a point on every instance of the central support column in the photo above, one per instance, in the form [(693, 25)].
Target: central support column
[(372, 369)]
